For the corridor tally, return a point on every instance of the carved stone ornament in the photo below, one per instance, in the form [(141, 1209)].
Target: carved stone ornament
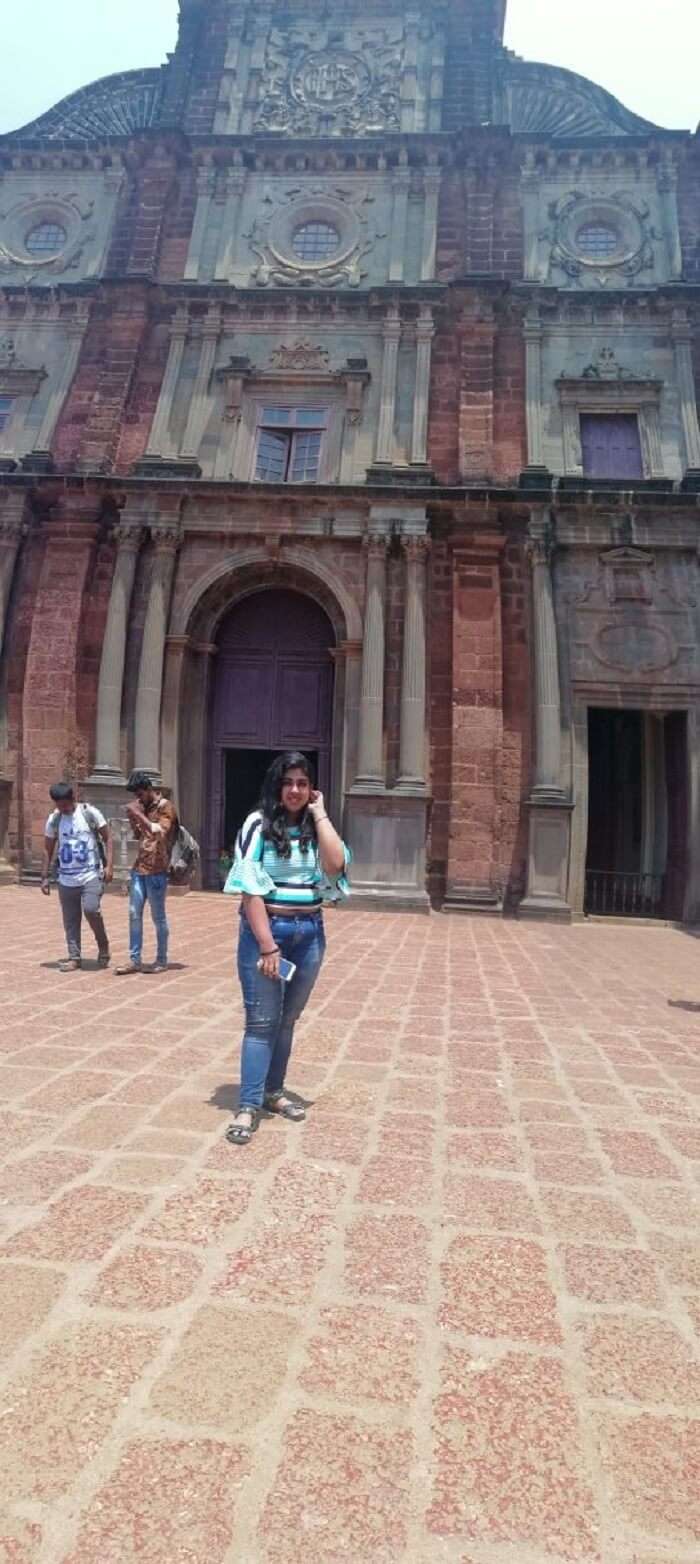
[(271, 238), (66, 211), (605, 367), (303, 355), (577, 210), (16, 378), (634, 647), (334, 90)]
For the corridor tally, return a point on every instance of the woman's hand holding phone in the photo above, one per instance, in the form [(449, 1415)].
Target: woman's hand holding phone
[(269, 964)]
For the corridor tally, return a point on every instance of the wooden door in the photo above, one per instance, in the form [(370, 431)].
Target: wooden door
[(272, 690), (611, 446)]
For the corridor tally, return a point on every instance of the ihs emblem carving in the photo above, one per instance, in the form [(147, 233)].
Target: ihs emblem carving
[(334, 90)]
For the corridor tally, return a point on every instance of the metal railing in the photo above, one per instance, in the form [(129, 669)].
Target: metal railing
[(609, 894)]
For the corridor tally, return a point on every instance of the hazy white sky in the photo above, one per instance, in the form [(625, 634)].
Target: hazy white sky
[(644, 51)]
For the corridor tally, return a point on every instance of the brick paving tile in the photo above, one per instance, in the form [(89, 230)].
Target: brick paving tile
[(454, 1317)]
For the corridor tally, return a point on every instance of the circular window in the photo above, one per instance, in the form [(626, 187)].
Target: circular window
[(45, 239), (315, 241), (598, 241)]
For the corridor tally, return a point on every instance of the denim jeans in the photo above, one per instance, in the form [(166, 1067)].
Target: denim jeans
[(272, 1007), (151, 888)]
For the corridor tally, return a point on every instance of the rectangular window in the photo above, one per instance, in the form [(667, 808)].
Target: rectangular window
[(290, 441), (611, 446), (5, 411)]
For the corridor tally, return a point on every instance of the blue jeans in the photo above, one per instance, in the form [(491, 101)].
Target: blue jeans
[(272, 1007), (151, 888)]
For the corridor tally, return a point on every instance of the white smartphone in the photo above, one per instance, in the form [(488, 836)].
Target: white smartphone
[(286, 969)]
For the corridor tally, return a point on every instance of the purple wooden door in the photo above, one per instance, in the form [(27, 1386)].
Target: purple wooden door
[(611, 446), (272, 690)]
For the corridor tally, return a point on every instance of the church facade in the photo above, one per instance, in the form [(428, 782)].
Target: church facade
[(348, 403)]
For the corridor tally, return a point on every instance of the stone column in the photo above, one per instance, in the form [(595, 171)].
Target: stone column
[(425, 332), (235, 186), (59, 391), (150, 681), (107, 766), (532, 332), (160, 444), (550, 808), (199, 404), (205, 190), (401, 185), (387, 394), (413, 735), (431, 185), (685, 381), (12, 528), (370, 759)]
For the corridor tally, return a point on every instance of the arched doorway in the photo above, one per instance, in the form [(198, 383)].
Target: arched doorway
[(272, 689)]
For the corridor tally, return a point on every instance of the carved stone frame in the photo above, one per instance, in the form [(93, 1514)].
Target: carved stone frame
[(21, 384), (641, 397), (294, 391)]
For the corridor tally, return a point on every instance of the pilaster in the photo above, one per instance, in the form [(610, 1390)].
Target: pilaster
[(200, 401), (473, 871), (13, 526), (166, 539), (550, 806), (205, 191), (391, 334), (370, 763), (235, 187), (107, 768), (412, 749), (425, 331)]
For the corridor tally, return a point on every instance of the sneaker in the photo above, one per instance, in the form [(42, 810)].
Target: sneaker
[(158, 966), (126, 970), (71, 965), (103, 958)]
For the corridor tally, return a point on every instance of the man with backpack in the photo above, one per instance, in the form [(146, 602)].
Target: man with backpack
[(154, 821), (85, 853)]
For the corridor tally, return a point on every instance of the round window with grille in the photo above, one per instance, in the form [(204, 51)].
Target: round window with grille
[(598, 241), (315, 241), (45, 239)]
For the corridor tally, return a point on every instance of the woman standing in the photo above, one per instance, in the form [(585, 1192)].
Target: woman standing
[(288, 856)]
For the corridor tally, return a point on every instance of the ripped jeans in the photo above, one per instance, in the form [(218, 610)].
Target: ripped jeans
[(272, 1007)]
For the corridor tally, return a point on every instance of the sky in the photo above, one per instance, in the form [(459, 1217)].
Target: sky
[(644, 51)]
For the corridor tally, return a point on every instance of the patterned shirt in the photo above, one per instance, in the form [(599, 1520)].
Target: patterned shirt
[(297, 881), (78, 854), (153, 856)]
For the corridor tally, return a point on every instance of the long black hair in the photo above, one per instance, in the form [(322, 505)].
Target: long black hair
[(275, 827)]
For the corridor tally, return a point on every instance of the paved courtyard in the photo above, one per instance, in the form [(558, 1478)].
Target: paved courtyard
[(456, 1316)]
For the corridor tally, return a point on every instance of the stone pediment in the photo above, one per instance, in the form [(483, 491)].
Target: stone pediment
[(546, 100)]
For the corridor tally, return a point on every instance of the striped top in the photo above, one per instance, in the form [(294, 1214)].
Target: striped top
[(297, 881)]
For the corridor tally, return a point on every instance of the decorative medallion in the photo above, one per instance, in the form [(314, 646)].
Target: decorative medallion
[(311, 212), (635, 647), (599, 238), (334, 80), (62, 218)]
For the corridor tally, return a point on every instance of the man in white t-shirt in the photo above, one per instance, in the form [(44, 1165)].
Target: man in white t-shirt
[(85, 852)]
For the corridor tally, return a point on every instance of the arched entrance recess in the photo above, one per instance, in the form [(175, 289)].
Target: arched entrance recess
[(271, 689)]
